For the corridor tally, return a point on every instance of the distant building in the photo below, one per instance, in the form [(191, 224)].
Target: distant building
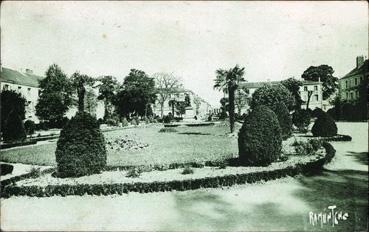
[(27, 84), (204, 108), (314, 87), (349, 84)]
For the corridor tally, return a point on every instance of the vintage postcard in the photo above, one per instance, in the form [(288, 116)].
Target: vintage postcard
[(184, 116)]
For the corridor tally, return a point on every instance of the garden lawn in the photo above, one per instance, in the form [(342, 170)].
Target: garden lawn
[(189, 144)]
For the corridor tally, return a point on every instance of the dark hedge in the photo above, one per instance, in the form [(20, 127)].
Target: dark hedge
[(14, 128)]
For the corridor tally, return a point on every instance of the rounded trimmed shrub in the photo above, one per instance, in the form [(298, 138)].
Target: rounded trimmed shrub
[(14, 128), (301, 118), (30, 127), (284, 118), (324, 126), (81, 147), (260, 138), (269, 95)]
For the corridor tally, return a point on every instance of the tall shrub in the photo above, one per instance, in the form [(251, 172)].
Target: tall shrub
[(324, 126), (260, 139), (30, 127), (81, 147), (13, 129), (284, 119)]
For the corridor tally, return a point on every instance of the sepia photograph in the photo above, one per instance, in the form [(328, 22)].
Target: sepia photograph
[(184, 116)]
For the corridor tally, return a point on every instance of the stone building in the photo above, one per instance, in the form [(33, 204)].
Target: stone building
[(197, 106), (312, 88), (349, 84), (27, 84)]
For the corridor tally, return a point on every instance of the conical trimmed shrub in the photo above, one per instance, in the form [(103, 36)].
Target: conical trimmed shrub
[(260, 139), (324, 126), (81, 147), (13, 128)]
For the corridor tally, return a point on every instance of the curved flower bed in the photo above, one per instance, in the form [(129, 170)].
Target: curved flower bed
[(185, 182)]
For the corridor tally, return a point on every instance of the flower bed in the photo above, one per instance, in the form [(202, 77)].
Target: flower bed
[(116, 182)]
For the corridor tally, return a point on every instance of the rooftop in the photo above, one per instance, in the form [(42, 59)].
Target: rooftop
[(362, 69), (253, 85), (15, 77)]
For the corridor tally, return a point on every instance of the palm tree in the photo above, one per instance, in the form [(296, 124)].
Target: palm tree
[(227, 81)]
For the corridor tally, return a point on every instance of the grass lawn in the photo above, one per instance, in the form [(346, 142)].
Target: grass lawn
[(189, 144)]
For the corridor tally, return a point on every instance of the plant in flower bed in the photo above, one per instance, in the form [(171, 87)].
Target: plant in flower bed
[(133, 173), (126, 143), (167, 130), (309, 147), (187, 170), (81, 147), (260, 139)]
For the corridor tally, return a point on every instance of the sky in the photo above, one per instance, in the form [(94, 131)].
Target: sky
[(272, 40)]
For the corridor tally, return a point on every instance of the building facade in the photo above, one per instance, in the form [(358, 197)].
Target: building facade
[(349, 84), (197, 106), (27, 84), (309, 89)]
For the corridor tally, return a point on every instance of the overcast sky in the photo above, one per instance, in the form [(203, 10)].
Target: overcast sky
[(273, 40)]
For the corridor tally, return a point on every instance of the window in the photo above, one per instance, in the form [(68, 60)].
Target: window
[(347, 96), (355, 81), (29, 89), (315, 87), (19, 87), (352, 95), (316, 97), (305, 88), (357, 94)]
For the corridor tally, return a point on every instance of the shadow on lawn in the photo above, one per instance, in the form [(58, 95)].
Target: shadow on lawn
[(201, 210), (361, 157), (347, 189)]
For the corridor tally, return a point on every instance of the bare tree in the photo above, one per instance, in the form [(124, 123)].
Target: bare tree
[(166, 85)]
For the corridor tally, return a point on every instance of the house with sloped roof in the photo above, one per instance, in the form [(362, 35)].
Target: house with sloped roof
[(24, 83), (349, 84), (27, 84)]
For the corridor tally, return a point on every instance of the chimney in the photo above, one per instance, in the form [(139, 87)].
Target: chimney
[(29, 71), (359, 61)]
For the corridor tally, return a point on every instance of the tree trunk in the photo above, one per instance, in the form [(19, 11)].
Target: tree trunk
[(310, 93), (162, 109), (231, 108)]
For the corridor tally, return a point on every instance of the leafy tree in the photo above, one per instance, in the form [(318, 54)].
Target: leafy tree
[(187, 100), (241, 98), (11, 101), (136, 94), (227, 81), (107, 90), (293, 86), (270, 95), (166, 85), (224, 108), (13, 128), (181, 107), (324, 73), (55, 95), (79, 82)]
